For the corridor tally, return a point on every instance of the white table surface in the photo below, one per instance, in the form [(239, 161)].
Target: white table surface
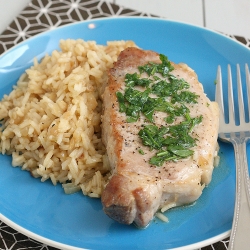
[(228, 16), (9, 9)]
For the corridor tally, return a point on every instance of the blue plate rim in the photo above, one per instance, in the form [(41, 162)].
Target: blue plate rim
[(58, 244), (125, 17)]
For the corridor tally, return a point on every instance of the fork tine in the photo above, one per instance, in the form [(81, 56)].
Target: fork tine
[(248, 88), (230, 97), (238, 135), (219, 95), (240, 97)]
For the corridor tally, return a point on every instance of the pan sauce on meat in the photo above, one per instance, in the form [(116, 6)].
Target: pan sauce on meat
[(138, 187)]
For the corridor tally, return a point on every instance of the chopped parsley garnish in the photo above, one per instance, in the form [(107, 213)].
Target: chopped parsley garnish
[(163, 68), (185, 96), (165, 89), (132, 80), (173, 142), (121, 101), (141, 151), (166, 94)]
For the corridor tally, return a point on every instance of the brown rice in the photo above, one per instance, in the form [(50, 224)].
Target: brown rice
[(50, 122)]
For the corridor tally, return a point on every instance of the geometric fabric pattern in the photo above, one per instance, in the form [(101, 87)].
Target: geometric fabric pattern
[(43, 15)]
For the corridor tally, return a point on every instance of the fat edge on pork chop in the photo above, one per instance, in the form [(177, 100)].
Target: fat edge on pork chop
[(154, 165)]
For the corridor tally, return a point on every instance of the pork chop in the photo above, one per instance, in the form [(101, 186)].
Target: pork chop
[(140, 185)]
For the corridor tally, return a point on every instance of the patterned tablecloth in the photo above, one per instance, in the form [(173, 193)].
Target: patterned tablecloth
[(42, 15)]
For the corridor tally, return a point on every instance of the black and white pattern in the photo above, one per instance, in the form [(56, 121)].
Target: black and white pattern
[(43, 15), (12, 240)]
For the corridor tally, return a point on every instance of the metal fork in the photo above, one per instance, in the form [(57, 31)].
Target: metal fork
[(238, 135)]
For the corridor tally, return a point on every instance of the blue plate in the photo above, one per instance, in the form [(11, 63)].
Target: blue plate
[(42, 211)]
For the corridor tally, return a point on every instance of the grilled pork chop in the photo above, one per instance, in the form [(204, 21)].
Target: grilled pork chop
[(138, 188)]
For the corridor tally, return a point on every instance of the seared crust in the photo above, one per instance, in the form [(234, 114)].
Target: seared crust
[(137, 189), (121, 202)]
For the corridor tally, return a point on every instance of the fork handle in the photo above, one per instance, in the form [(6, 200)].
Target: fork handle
[(240, 234)]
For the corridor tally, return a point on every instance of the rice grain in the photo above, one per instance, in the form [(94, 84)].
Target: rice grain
[(51, 122)]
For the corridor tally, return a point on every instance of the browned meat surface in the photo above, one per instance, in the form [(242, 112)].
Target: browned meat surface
[(137, 189)]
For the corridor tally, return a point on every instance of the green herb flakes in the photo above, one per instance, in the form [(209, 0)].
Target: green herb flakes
[(141, 151), (168, 94)]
